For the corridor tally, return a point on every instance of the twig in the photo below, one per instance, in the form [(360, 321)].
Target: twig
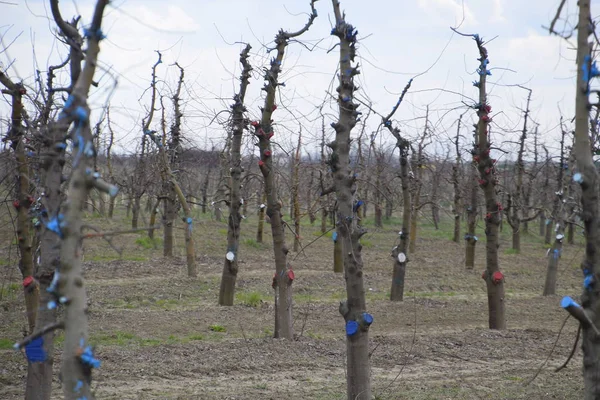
[(48, 328), (551, 351), (564, 365)]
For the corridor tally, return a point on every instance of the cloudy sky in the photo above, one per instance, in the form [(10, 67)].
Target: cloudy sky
[(398, 40)]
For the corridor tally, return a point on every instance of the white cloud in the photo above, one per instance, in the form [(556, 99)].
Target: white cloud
[(171, 18), (447, 10), (497, 11)]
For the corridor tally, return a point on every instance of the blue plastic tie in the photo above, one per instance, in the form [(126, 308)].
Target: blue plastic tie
[(567, 302), (587, 281), (52, 305), (586, 272), (556, 254), (357, 205), (80, 114), (55, 225), (78, 386), (87, 357), (368, 318), (35, 350), (334, 236), (578, 177), (351, 328), (98, 34)]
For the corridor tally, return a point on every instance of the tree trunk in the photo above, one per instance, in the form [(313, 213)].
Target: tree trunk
[(413, 228), (417, 186), (378, 215), (22, 202), (470, 237), (493, 277), (354, 309), (153, 214), (230, 267), (284, 275), (77, 357), (400, 252), (542, 219), (570, 233), (389, 207), (168, 221), (296, 194), (101, 203), (552, 270), (311, 211), (516, 239), (261, 215), (111, 207), (456, 172), (338, 254), (135, 212), (205, 190), (587, 177)]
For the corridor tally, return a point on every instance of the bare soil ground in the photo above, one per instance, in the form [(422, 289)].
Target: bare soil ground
[(161, 335)]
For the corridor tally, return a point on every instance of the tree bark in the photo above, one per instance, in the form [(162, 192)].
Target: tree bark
[(354, 309), (492, 275), (296, 194), (400, 251), (456, 172), (70, 291), (230, 267), (587, 176), (417, 186), (262, 199), (284, 275)]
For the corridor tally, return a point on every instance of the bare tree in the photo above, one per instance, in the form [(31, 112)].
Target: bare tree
[(400, 251), (417, 184), (349, 232), (67, 285), (472, 208), (587, 177), (284, 276), (456, 173), (295, 192), (238, 124), (515, 208), (492, 275), (559, 218), (23, 199)]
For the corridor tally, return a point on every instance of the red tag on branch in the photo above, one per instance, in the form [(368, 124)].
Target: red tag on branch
[(291, 275), (497, 277), (28, 280)]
